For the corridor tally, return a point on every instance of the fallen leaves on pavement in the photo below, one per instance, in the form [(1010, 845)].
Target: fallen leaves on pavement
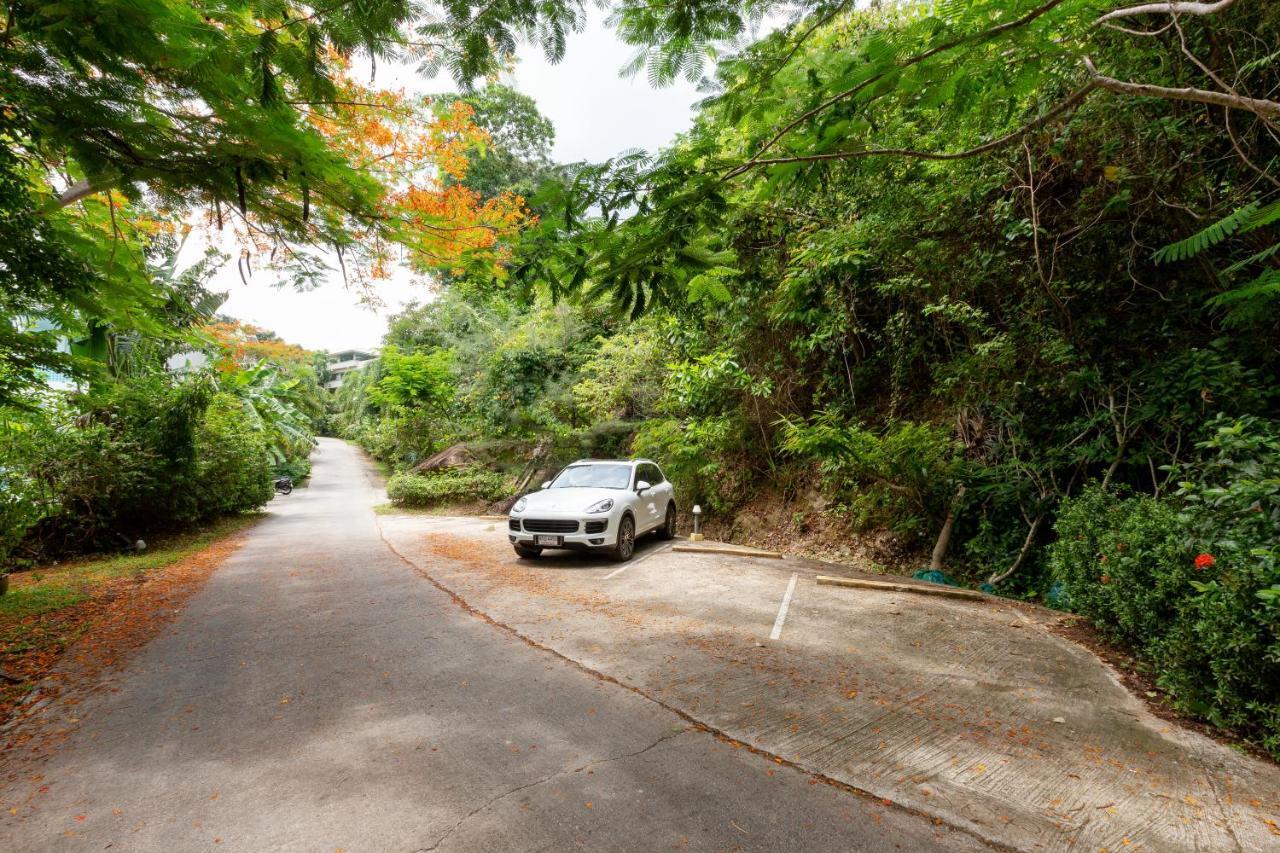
[(111, 613)]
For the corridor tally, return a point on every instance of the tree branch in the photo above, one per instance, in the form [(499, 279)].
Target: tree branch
[(1235, 143), (1258, 106), (1176, 8), (1073, 100), (799, 42), (1022, 553), (907, 63), (72, 194)]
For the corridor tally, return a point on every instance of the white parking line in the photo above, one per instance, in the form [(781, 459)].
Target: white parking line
[(617, 571), (659, 550), (782, 611)]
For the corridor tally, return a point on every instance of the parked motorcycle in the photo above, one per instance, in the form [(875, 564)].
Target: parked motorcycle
[(284, 485)]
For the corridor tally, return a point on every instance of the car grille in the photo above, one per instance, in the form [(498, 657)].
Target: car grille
[(596, 526), (514, 524), (550, 525)]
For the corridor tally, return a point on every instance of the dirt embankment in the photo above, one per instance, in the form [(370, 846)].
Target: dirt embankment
[(806, 526)]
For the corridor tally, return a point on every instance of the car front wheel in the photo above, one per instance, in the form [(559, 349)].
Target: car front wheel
[(626, 544), (526, 553)]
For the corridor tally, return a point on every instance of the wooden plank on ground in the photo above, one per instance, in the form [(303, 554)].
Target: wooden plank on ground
[(732, 551), (891, 586)]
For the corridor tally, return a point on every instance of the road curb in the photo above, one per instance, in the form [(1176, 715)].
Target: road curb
[(890, 586), (725, 549)]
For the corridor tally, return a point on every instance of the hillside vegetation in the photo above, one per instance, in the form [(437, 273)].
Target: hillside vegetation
[(924, 278)]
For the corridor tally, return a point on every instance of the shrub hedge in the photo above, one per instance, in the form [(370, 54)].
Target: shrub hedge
[(457, 485), (1191, 582), (80, 475)]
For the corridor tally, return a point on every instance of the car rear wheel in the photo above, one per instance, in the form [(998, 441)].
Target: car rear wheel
[(626, 544), (668, 528), (526, 553)]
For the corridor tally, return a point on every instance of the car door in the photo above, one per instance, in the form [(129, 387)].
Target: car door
[(649, 508), (666, 492)]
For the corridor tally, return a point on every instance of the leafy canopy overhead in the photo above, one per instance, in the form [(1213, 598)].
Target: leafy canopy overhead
[(248, 110), (913, 82)]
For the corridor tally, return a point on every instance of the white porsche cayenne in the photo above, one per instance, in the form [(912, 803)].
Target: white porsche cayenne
[(595, 504)]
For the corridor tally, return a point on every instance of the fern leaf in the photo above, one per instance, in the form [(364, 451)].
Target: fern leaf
[(1210, 236), (1264, 287), (1252, 302), (1268, 215), (1264, 255)]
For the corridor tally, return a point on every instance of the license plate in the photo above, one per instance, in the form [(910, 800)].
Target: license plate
[(548, 540)]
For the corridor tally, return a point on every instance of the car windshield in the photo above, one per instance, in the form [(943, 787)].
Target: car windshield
[(593, 477)]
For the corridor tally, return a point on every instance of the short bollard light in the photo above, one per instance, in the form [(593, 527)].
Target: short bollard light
[(696, 535)]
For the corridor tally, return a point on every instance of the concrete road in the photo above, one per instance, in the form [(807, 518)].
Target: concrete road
[(321, 694), (977, 713)]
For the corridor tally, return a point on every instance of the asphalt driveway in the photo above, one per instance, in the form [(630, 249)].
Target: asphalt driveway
[(320, 693)]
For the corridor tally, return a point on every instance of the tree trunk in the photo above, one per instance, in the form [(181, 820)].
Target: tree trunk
[(1111, 469), (1022, 554), (944, 535)]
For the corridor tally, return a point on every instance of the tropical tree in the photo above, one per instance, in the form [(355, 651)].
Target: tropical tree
[(277, 406), (122, 119), (517, 156), (907, 83)]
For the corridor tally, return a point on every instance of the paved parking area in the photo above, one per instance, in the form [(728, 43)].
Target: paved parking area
[(973, 712)]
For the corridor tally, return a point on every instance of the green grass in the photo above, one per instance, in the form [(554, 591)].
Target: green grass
[(41, 598), (51, 588)]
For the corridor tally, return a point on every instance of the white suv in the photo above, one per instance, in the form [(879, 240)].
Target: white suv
[(595, 504)]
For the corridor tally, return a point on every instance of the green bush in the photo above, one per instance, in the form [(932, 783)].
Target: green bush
[(1191, 583), (694, 455), (1122, 562), (92, 472), (295, 469), (402, 438), (1221, 660), (458, 485), (112, 465), (623, 379), (20, 510), (902, 477), (233, 473)]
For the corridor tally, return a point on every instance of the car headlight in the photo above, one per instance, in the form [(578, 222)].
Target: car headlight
[(520, 505), (601, 506)]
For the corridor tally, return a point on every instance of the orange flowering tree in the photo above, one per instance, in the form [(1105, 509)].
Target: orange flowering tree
[(416, 152), (244, 344)]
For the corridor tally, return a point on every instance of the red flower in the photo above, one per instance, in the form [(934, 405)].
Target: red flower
[(1204, 561)]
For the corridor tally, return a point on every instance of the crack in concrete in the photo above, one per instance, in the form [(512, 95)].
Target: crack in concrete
[(565, 772)]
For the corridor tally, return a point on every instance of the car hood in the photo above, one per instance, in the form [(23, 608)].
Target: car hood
[(568, 500)]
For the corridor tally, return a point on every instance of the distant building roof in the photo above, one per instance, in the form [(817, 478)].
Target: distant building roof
[(352, 355)]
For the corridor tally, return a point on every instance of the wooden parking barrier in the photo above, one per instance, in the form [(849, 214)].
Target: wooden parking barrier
[(707, 548), (891, 586)]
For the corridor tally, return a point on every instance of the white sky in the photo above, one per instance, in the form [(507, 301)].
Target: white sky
[(596, 114)]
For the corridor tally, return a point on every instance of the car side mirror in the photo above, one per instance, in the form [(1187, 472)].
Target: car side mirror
[(642, 486), (546, 484)]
